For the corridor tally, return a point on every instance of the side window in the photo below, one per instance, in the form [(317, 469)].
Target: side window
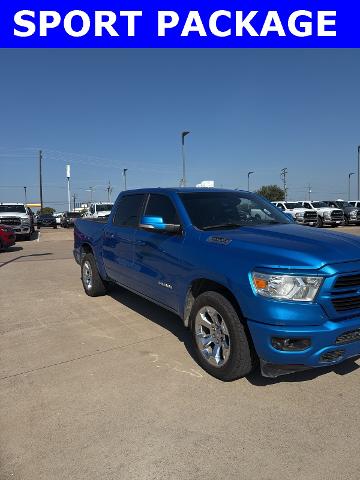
[(307, 205), (127, 212), (281, 206), (162, 206)]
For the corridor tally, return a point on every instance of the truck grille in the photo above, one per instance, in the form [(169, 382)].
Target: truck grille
[(337, 215), (10, 221), (346, 293), (311, 216), (348, 281)]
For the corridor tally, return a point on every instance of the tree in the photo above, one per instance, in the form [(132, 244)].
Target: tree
[(272, 193), (47, 211)]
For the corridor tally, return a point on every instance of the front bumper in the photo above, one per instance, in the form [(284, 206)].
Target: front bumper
[(306, 221), (329, 221), (21, 229), (323, 341)]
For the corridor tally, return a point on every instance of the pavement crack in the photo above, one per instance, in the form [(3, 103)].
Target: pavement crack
[(71, 360)]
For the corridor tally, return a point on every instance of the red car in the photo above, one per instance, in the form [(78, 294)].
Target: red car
[(7, 237)]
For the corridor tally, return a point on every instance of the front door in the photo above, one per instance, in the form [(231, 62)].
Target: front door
[(158, 255)]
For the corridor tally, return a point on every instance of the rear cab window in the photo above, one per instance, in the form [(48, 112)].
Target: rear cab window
[(128, 211)]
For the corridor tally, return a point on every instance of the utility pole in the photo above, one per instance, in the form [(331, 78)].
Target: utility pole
[(25, 189), (249, 173), (284, 172), (183, 135), (124, 175), (40, 173), (68, 186), (309, 192), (74, 202), (349, 191), (91, 189), (109, 190)]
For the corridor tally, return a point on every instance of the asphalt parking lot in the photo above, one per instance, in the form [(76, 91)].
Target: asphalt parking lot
[(107, 388)]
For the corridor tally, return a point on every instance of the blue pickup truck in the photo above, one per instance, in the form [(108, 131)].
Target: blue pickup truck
[(252, 286)]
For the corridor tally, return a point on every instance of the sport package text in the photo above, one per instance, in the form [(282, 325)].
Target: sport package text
[(220, 23)]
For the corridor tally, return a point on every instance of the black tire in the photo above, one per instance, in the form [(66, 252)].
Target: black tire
[(320, 222), (97, 286), (55, 227), (346, 221), (28, 236), (38, 227), (242, 358)]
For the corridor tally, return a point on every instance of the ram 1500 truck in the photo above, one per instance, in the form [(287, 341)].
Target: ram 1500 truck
[(326, 215), (19, 217), (250, 288), (298, 213)]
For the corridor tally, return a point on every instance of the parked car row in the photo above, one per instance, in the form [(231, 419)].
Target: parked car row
[(318, 214)]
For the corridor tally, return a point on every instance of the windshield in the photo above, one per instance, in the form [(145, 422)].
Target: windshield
[(104, 208), (216, 210), (319, 205), (12, 208), (292, 205)]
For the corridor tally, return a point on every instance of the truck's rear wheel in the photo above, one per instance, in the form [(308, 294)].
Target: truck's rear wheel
[(221, 343), (93, 284)]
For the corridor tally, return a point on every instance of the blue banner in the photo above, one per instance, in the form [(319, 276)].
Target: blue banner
[(179, 24)]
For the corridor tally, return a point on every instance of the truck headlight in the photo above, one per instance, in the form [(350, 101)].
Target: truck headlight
[(327, 214), (353, 214), (299, 215), (286, 287), (25, 220)]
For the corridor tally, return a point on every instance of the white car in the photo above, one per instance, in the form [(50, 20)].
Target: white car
[(326, 215), (355, 203), (304, 216), (99, 210), (18, 217), (58, 217)]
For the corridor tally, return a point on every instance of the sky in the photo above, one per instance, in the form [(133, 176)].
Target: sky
[(247, 110)]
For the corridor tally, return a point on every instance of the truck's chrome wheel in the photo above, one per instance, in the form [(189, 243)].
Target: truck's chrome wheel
[(87, 275), (212, 336)]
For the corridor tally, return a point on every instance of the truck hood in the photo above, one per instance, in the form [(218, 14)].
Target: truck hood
[(288, 246), (13, 214)]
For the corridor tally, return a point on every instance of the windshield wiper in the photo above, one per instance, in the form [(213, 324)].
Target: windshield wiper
[(222, 225)]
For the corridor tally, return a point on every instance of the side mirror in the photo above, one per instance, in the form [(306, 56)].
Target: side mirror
[(157, 224)]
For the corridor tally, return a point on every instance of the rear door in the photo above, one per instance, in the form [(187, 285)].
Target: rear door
[(118, 242), (158, 255)]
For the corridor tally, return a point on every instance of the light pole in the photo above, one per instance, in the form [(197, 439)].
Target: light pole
[(351, 173), (249, 173), (68, 186), (25, 191), (183, 135), (124, 175)]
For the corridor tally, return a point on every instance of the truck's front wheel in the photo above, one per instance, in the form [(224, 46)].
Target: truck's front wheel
[(221, 343), (93, 284)]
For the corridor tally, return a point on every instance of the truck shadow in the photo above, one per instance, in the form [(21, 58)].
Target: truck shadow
[(23, 256), (155, 314), (174, 325)]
